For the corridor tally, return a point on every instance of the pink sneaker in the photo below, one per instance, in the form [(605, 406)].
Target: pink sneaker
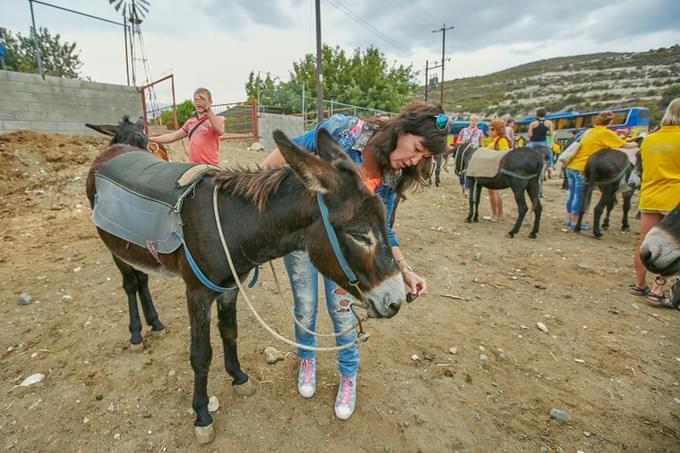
[(307, 378), (346, 400)]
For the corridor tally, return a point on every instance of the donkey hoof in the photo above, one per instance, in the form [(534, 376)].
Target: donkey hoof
[(625, 228), (511, 235), (137, 347), (245, 389), (204, 434), (158, 333), (468, 220), (533, 235)]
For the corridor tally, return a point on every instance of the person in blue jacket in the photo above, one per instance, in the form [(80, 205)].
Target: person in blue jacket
[(393, 155)]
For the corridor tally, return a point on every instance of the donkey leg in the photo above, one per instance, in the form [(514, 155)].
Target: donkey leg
[(150, 314), (587, 195), (226, 311), (476, 194), (471, 204), (518, 191), (537, 206), (627, 197), (605, 199), (199, 301), (130, 285), (607, 213)]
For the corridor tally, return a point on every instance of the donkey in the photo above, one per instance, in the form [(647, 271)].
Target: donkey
[(438, 162), (520, 169), (130, 133), (660, 250), (609, 170), (266, 214)]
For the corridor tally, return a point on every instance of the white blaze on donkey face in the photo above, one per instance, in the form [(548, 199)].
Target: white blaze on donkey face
[(386, 299), (660, 252)]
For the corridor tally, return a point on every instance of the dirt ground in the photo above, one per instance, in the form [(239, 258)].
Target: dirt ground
[(486, 377)]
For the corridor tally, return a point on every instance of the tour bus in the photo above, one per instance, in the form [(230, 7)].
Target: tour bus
[(628, 123)]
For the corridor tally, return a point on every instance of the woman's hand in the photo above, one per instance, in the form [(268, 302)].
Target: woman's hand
[(417, 285)]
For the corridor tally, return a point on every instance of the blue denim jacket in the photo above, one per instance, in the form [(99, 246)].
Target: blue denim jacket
[(352, 134)]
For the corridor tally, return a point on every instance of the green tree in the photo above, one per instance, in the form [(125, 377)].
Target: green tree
[(58, 59), (364, 79), (184, 111)]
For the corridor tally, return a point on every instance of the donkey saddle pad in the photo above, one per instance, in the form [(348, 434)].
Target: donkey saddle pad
[(485, 163), (139, 199)]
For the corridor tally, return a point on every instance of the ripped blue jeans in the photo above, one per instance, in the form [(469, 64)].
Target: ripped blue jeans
[(576, 183), (304, 282)]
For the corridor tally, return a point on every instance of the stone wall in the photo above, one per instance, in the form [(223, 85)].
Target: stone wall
[(268, 122), (62, 105)]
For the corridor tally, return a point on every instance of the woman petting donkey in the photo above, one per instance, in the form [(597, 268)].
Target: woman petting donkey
[(393, 154)]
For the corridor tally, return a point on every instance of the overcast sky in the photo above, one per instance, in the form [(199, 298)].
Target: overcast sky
[(216, 43)]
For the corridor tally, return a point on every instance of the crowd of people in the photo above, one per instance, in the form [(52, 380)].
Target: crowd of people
[(393, 155)]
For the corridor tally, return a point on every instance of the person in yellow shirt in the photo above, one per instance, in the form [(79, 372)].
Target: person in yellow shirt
[(593, 140), (659, 193), (499, 142)]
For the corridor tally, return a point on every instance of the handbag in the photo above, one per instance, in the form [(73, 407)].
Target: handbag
[(568, 154)]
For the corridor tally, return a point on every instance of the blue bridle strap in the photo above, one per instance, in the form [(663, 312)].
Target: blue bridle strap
[(333, 238), (205, 280)]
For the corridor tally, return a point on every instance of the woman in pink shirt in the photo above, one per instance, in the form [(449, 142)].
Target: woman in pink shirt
[(204, 131)]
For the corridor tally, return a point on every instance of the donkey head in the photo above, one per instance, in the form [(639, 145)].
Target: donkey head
[(126, 132), (358, 219), (660, 251)]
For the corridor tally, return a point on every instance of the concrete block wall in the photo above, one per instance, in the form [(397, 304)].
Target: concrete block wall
[(268, 122), (62, 105)]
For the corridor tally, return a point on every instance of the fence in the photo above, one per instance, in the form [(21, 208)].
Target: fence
[(240, 120), (151, 106)]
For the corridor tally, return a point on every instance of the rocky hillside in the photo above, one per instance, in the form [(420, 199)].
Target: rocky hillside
[(582, 83)]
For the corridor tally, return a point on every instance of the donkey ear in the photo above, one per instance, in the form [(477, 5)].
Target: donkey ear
[(316, 174), (140, 123), (106, 129), (328, 148)]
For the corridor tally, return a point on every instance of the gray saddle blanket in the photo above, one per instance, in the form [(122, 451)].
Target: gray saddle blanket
[(139, 199), (485, 163)]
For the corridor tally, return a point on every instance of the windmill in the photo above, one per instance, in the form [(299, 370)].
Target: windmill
[(134, 12)]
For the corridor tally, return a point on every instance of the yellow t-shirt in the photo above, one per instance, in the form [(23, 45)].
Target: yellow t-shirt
[(499, 144), (660, 153), (593, 140)]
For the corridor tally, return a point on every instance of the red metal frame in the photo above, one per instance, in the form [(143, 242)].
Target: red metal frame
[(143, 88)]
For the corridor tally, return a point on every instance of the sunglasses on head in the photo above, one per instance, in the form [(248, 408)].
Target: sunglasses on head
[(442, 121)]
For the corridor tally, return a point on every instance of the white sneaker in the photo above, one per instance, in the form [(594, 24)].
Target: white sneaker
[(346, 400), (307, 378)]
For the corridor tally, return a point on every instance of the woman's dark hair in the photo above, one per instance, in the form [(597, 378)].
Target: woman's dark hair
[(540, 113), (417, 118)]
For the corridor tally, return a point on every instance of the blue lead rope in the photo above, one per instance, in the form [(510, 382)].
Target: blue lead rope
[(330, 232), (205, 280)]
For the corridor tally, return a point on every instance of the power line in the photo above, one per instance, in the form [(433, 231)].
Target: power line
[(370, 27)]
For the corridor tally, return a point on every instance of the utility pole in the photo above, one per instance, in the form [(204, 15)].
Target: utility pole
[(319, 70), (443, 31), (427, 77), (38, 53)]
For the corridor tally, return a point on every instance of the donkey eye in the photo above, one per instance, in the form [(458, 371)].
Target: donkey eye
[(363, 239)]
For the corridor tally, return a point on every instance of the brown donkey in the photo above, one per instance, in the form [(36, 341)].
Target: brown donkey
[(265, 214)]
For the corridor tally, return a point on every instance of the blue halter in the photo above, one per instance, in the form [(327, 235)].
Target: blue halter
[(333, 238)]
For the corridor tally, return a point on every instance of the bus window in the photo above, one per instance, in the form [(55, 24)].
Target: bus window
[(620, 117)]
